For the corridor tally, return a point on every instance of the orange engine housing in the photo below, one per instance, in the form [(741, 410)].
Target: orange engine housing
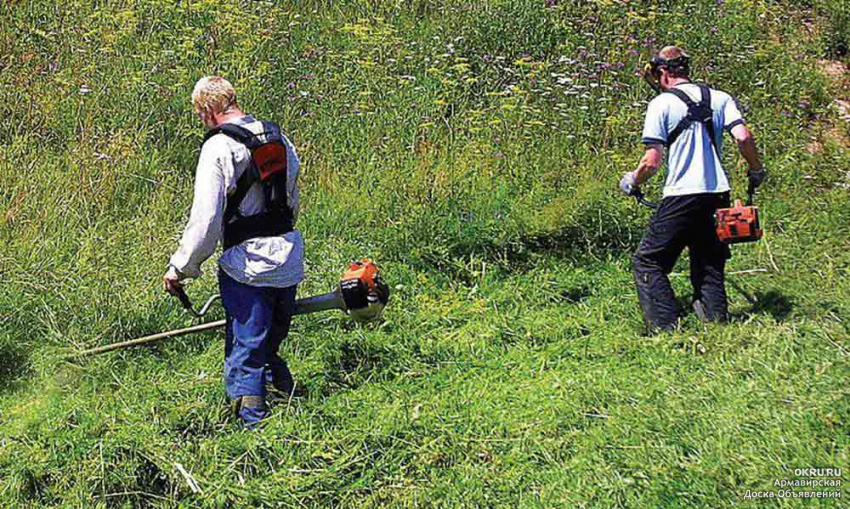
[(738, 224), (366, 272)]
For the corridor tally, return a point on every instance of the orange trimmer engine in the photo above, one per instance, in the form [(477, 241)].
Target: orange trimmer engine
[(358, 282), (361, 294), (738, 224)]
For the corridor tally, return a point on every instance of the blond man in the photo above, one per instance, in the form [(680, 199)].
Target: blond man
[(688, 120), (246, 196)]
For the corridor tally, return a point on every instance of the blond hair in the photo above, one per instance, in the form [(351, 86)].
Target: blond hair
[(214, 94)]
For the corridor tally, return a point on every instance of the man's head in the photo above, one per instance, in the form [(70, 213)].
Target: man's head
[(670, 66), (213, 97)]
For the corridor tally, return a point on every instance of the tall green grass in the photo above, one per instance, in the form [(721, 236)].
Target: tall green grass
[(472, 148)]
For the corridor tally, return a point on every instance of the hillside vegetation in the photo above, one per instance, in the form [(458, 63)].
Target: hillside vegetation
[(472, 149)]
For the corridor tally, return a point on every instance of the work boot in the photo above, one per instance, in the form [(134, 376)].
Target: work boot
[(249, 409), (699, 309), (706, 315)]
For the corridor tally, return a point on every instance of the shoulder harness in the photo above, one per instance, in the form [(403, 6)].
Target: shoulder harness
[(268, 168), (697, 112)]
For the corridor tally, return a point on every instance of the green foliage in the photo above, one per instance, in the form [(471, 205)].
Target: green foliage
[(837, 33), (473, 149)]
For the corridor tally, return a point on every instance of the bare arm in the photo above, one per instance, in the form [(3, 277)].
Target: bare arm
[(747, 146), (649, 163)]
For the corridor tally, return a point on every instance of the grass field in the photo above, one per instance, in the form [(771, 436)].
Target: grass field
[(473, 149)]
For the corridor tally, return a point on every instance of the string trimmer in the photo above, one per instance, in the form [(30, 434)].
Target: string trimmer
[(361, 294)]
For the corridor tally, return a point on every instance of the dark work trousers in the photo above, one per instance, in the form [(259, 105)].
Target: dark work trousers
[(258, 320), (678, 222)]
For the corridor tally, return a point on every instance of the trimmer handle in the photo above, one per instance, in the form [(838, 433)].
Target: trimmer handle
[(184, 299), (638, 194), (751, 194), (187, 304)]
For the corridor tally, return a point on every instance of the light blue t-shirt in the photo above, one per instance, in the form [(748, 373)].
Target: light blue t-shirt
[(693, 166)]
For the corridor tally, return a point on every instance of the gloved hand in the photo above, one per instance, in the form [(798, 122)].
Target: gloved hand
[(628, 184), (756, 177)]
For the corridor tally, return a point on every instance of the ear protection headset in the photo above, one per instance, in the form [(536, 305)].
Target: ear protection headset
[(679, 65)]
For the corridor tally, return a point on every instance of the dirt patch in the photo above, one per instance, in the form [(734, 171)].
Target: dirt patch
[(839, 78), (835, 70), (843, 108), (814, 147)]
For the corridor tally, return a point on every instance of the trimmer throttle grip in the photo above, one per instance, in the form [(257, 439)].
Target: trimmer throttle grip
[(184, 299), (638, 195)]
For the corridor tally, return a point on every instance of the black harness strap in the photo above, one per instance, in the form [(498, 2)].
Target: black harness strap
[(248, 177), (697, 112), (239, 228)]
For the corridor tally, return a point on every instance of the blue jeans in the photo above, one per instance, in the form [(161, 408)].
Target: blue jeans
[(258, 320), (679, 222)]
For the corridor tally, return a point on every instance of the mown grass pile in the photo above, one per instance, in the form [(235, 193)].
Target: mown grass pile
[(473, 149)]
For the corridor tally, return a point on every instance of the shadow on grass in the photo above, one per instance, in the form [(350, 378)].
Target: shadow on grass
[(355, 362), (575, 294), (523, 254), (772, 302), (571, 242), (14, 364)]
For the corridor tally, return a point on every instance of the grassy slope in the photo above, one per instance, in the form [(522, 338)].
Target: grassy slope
[(472, 148)]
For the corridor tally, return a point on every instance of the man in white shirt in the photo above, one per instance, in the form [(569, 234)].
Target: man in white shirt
[(252, 209), (689, 120)]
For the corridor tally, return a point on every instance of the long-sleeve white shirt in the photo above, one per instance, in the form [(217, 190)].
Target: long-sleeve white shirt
[(266, 261)]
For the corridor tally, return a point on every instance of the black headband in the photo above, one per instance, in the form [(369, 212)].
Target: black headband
[(680, 62)]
